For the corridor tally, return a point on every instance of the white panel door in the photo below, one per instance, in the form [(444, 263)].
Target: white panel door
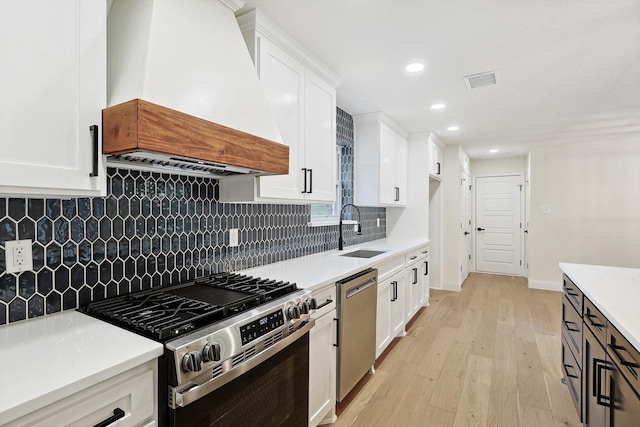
[(282, 78), (465, 224), (499, 224), (320, 139)]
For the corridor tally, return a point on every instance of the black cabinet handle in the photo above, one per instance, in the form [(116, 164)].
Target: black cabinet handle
[(426, 268), (438, 164), (480, 229), (337, 344), (395, 291), (324, 304), (631, 365), (594, 324), (117, 414), (567, 367), (310, 180), (567, 323), (415, 275), (466, 233), (304, 171), (601, 399), (96, 149)]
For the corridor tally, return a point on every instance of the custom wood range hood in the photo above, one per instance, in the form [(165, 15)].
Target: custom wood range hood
[(183, 93), (143, 133)]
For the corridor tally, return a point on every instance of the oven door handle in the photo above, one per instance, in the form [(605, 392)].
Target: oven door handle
[(190, 395)]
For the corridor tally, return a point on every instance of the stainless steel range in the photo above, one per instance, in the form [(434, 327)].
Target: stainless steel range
[(230, 341)]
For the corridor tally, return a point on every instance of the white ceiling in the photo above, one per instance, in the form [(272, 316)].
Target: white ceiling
[(569, 69)]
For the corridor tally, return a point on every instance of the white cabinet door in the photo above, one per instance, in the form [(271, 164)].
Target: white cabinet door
[(397, 305), (435, 160), (322, 368), (52, 89), (425, 283), (414, 290), (387, 175), (401, 170), (386, 293), (282, 77), (320, 139)]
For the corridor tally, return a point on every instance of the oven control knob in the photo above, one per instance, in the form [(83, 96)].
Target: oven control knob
[(211, 352), (313, 304), (191, 362), (293, 312), (304, 307)]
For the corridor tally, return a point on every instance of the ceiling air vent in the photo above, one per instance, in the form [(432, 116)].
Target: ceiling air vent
[(483, 79)]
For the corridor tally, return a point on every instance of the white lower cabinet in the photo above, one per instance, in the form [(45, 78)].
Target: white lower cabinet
[(390, 306), (132, 394), (322, 360), (417, 275)]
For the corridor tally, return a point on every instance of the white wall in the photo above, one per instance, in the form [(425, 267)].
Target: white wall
[(498, 166), (593, 191)]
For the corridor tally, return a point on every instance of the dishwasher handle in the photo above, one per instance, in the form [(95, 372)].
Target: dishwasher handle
[(355, 290)]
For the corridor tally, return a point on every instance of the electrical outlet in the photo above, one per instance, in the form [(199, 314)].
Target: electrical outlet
[(233, 237), (18, 255)]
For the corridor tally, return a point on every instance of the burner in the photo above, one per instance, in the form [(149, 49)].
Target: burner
[(171, 311)]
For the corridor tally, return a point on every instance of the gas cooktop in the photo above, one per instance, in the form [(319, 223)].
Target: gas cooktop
[(168, 312)]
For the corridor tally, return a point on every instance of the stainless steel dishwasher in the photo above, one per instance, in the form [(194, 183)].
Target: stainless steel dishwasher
[(357, 301)]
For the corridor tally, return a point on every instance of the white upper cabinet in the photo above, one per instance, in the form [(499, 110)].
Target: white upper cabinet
[(380, 161), (302, 96), (435, 158), (52, 90)]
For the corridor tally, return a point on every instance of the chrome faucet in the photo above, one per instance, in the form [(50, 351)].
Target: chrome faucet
[(358, 230)]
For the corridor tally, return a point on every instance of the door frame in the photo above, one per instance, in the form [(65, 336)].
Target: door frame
[(522, 218)]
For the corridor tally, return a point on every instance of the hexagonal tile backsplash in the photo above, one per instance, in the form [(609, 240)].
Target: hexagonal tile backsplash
[(152, 229)]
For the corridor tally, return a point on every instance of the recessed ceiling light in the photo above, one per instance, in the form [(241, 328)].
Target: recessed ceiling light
[(438, 106), (495, 150), (453, 128), (414, 67)]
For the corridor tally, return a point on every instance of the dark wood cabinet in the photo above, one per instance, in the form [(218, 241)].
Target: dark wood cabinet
[(601, 368)]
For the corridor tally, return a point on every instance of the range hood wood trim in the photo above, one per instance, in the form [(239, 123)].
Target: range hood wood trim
[(138, 125)]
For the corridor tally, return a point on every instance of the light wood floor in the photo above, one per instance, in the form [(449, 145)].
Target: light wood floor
[(487, 356)]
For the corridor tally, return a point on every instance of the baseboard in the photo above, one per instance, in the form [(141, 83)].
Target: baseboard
[(451, 286), (546, 286)]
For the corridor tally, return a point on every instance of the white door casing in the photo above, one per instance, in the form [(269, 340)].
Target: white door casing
[(465, 224), (499, 224)]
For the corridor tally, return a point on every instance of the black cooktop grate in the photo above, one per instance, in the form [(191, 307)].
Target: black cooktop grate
[(170, 311)]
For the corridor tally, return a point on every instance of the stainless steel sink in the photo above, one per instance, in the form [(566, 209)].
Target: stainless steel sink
[(363, 253)]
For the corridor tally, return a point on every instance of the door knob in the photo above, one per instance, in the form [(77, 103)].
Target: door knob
[(480, 229)]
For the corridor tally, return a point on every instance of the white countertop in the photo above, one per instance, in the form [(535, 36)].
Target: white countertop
[(615, 291), (319, 270), (49, 358)]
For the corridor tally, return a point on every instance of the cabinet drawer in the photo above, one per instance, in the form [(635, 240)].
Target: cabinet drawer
[(596, 322), (130, 393), (572, 328), (326, 299), (389, 268), (415, 256), (572, 292), (625, 356), (572, 375)]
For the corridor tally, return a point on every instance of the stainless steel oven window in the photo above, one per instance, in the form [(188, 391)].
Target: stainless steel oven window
[(274, 393)]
